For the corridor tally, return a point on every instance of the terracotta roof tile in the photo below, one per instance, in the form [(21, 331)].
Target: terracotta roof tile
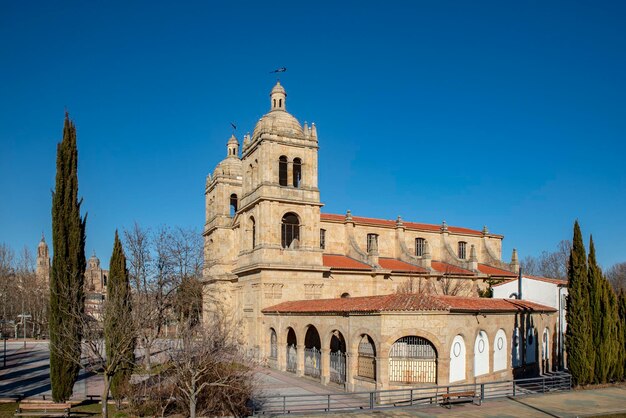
[(405, 302), (392, 223), (494, 271), (337, 261), (398, 265), (446, 268)]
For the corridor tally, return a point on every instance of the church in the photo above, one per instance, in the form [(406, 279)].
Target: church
[(354, 301)]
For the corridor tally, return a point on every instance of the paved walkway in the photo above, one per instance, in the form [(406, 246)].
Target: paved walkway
[(578, 403)]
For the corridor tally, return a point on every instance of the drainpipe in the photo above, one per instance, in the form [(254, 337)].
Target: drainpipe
[(519, 284)]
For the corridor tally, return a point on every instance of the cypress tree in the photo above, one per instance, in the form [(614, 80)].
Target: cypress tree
[(580, 352), (621, 309), (597, 312), (118, 324), (68, 268)]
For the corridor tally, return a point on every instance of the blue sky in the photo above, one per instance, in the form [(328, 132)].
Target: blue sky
[(509, 114)]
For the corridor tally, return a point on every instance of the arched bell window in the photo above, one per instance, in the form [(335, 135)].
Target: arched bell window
[(282, 170), (297, 172), (253, 231), (290, 230), (233, 205)]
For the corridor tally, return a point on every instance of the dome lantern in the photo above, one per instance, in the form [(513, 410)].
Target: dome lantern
[(278, 97), (233, 146)]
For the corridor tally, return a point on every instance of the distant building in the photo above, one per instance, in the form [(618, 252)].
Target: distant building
[(362, 302), (95, 285), (548, 292), (43, 261)]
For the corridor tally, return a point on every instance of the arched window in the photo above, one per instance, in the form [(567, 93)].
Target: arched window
[(372, 242), (500, 351), (312, 353), (457, 359), (413, 360), (290, 230), (253, 231), (322, 239), (481, 354), (366, 363), (462, 249), (419, 246), (282, 171), (273, 344), (297, 172), (233, 205), (280, 102)]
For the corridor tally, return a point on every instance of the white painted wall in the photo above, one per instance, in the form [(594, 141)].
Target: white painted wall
[(500, 351), (457, 359), (481, 354)]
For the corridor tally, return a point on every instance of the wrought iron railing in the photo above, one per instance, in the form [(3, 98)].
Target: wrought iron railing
[(334, 402)]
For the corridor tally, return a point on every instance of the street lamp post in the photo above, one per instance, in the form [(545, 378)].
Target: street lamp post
[(24, 317)]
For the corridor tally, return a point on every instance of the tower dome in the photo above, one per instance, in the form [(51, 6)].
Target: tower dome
[(278, 121)]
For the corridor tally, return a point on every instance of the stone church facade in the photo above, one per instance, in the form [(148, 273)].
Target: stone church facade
[(311, 290)]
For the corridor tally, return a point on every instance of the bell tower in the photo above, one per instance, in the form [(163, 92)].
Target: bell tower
[(43, 261), (280, 205)]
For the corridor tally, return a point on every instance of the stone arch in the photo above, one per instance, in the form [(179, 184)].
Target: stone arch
[(290, 230), (500, 351), (366, 357), (327, 334), (458, 356), (412, 359), (312, 337), (312, 352), (385, 346), (355, 337), (283, 167), (481, 353), (297, 172), (273, 348)]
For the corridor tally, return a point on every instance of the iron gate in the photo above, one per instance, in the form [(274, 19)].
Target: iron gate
[(338, 367), (312, 362), (292, 358)]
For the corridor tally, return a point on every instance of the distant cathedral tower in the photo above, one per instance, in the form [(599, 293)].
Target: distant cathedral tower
[(43, 261)]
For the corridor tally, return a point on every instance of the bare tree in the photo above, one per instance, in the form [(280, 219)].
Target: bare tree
[(551, 264), (616, 275), (453, 286), (416, 285)]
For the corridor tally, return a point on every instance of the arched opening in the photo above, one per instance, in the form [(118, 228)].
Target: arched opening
[(337, 358), (516, 356), (481, 354), (280, 103), (462, 250), (366, 363), (312, 353), (253, 232), (545, 351), (273, 344), (413, 360), (531, 346), (274, 102), (345, 295), (419, 246), (290, 230), (457, 359), (500, 351), (292, 351), (282, 170), (233, 205), (297, 172)]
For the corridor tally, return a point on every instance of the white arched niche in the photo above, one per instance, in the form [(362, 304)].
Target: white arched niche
[(499, 351), (545, 351), (457, 359), (481, 354)]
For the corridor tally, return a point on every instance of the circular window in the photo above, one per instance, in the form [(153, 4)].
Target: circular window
[(456, 349), (481, 345), (500, 343)]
